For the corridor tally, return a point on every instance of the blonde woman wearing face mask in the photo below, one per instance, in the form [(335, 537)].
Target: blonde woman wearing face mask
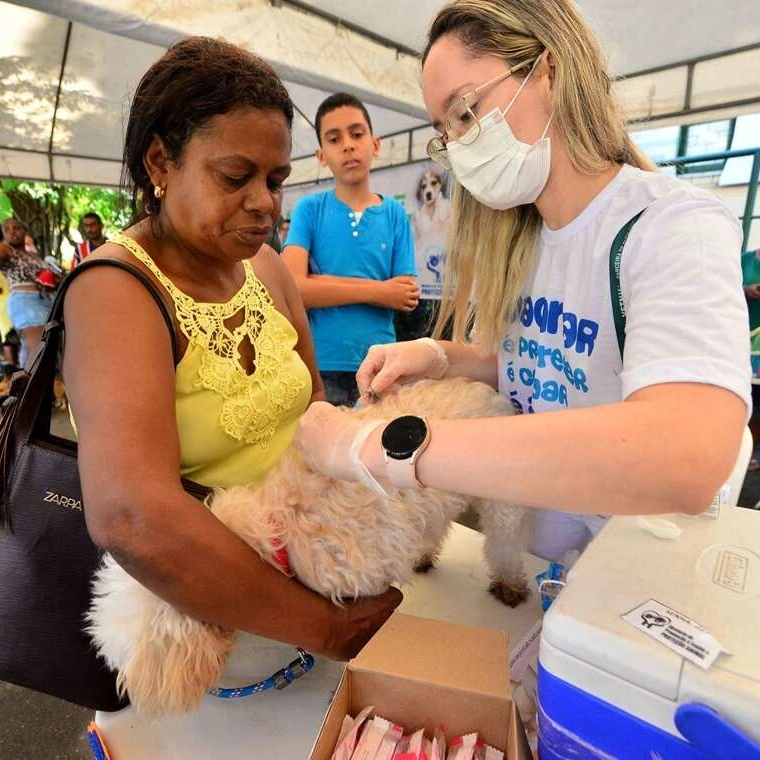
[(554, 207)]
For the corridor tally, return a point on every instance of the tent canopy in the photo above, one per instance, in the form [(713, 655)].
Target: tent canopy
[(68, 68)]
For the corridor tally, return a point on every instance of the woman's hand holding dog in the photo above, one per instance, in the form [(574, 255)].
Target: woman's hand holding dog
[(357, 622), (389, 365), (332, 441)]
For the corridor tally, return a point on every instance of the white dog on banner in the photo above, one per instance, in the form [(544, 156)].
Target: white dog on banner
[(430, 223)]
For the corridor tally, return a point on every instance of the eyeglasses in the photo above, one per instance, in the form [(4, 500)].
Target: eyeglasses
[(461, 118)]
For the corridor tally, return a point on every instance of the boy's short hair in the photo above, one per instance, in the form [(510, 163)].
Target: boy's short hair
[(332, 103)]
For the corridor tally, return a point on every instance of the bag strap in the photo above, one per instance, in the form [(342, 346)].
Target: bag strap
[(616, 292), (35, 405), (55, 318)]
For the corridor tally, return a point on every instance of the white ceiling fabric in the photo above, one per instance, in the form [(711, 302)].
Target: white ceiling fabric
[(636, 35), (62, 104)]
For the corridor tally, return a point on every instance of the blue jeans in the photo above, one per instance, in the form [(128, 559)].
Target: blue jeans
[(340, 388), (27, 309)]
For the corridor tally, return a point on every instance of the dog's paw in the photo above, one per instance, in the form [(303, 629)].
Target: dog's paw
[(512, 593), (425, 564), (169, 674)]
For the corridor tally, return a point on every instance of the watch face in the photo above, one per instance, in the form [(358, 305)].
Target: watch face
[(403, 436)]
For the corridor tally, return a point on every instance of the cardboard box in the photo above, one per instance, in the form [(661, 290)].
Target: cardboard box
[(422, 673)]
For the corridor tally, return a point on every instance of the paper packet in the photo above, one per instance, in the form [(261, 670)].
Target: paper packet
[(371, 739), (345, 748), (463, 747)]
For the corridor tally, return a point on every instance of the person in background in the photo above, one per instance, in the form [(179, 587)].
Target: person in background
[(546, 178), (92, 229), (27, 306), (276, 237), (350, 251), (284, 228), (274, 241), (207, 148), (8, 358), (751, 284), (30, 245)]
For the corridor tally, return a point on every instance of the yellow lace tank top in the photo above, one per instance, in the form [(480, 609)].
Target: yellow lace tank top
[(233, 427)]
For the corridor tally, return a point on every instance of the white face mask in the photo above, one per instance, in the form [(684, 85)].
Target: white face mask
[(497, 169)]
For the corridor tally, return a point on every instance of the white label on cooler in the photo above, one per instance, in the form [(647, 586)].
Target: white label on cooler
[(676, 631)]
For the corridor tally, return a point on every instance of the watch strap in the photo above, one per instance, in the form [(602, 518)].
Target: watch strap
[(402, 472)]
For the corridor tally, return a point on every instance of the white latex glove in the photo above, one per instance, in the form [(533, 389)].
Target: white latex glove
[(389, 365), (332, 440)]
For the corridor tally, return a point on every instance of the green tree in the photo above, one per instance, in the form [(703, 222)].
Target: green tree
[(6, 209), (52, 212), (41, 208)]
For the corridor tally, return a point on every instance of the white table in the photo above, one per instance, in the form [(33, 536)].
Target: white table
[(457, 589), (284, 724)]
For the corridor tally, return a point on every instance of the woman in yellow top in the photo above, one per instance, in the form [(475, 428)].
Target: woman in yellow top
[(207, 149)]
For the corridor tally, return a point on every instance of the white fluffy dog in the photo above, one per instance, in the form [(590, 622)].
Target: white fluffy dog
[(343, 540)]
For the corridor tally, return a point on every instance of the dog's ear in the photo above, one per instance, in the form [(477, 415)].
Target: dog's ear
[(419, 189)]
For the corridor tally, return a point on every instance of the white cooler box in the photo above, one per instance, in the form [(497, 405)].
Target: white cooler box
[(607, 689)]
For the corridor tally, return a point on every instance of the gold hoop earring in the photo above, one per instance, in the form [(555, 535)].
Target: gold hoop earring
[(159, 192)]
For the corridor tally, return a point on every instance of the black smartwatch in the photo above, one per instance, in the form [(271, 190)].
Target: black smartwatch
[(403, 441)]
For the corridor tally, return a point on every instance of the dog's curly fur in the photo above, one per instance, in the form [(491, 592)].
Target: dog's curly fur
[(343, 540)]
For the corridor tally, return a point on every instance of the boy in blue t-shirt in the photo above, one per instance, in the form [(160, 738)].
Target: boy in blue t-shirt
[(350, 251)]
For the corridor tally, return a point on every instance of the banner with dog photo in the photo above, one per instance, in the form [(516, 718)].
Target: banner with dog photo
[(430, 212)]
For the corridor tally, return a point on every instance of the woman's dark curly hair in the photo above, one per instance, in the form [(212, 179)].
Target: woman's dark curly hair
[(197, 79)]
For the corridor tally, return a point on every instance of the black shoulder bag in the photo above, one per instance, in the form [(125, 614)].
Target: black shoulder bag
[(47, 558)]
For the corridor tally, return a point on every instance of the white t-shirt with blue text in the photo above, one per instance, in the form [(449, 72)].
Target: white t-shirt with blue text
[(686, 317), (682, 289)]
